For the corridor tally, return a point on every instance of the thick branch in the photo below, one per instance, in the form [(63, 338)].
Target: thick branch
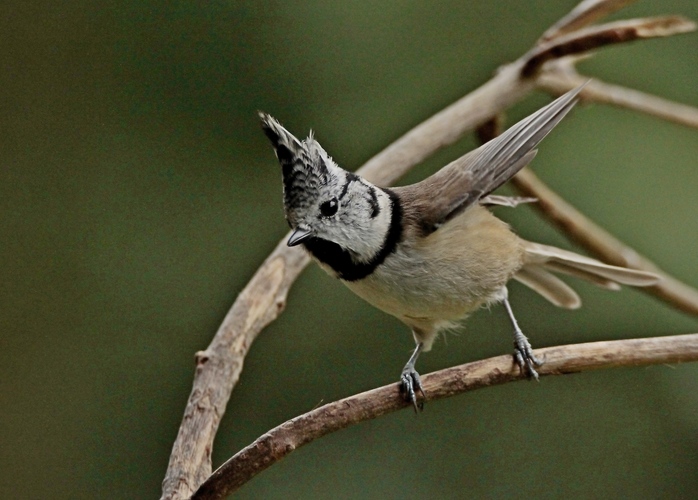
[(218, 368), (282, 440)]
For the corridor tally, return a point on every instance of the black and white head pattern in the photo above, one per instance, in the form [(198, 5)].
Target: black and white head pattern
[(330, 203)]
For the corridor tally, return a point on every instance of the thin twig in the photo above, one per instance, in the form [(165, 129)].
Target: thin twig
[(579, 228), (582, 15), (602, 244), (289, 436), (587, 39), (559, 77)]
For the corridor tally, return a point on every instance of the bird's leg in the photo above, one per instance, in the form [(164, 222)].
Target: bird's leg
[(410, 382), (523, 353)]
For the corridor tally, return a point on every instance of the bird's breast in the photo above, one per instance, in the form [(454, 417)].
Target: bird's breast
[(447, 274)]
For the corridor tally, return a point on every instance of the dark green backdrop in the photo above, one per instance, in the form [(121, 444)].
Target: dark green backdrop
[(138, 195)]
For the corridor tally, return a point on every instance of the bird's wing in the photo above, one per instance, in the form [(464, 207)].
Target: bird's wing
[(464, 182)]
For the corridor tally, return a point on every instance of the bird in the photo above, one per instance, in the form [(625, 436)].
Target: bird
[(432, 253)]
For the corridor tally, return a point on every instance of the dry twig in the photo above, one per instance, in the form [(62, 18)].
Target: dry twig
[(585, 13), (587, 39), (263, 299), (601, 243), (287, 437), (559, 77), (573, 223)]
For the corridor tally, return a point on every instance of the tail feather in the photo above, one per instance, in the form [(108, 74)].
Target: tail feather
[(535, 253), (597, 280), (540, 259), (549, 286)]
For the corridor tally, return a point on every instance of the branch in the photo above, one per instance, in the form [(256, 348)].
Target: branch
[(587, 39), (287, 437), (582, 15), (218, 368), (575, 225), (602, 244), (559, 77)]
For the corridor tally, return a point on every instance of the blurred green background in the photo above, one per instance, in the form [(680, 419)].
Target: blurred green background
[(138, 195)]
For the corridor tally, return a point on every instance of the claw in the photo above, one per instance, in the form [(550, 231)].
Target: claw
[(523, 353), (409, 381)]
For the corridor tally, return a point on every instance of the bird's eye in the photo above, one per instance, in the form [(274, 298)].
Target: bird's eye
[(329, 208)]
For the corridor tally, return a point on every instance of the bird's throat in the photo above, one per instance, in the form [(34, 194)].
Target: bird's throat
[(345, 266)]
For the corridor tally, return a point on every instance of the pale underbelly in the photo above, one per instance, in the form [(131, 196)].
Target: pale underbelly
[(428, 293)]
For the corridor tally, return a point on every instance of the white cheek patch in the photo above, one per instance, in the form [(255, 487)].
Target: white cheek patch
[(365, 235)]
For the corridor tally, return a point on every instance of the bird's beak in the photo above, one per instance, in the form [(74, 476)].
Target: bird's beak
[(299, 236)]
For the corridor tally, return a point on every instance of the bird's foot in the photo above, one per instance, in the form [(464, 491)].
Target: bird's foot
[(410, 383), (523, 354)]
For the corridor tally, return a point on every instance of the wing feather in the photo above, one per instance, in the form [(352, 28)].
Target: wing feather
[(475, 175)]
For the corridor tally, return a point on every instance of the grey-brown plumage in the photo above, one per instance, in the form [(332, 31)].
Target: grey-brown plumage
[(431, 253), (468, 179)]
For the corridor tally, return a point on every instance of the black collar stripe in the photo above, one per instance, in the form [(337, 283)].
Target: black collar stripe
[(340, 259)]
